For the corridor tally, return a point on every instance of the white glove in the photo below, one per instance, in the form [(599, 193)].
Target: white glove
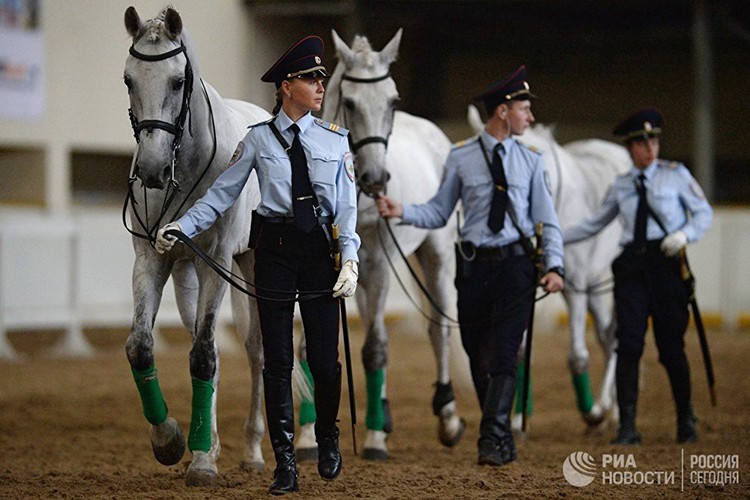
[(165, 243), (673, 243), (347, 282)]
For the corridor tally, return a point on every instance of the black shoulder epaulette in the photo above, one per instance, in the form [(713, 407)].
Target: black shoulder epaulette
[(331, 126), (266, 122)]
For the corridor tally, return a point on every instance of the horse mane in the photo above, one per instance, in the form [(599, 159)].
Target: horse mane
[(152, 32)]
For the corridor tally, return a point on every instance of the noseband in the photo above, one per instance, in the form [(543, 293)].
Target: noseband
[(177, 128), (354, 146)]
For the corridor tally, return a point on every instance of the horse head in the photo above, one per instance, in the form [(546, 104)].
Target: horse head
[(159, 77), (364, 99)]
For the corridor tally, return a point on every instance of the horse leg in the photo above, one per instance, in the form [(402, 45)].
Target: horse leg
[(245, 314), (578, 359), (605, 324), (203, 440), (435, 262), (306, 446), (149, 276), (374, 279)]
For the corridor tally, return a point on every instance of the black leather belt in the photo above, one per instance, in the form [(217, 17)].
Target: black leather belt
[(322, 219), (493, 253), (651, 246)]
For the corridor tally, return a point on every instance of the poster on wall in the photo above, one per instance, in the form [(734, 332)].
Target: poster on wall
[(21, 60)]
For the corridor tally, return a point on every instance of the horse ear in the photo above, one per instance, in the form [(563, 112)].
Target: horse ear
[(133, 22), (173, 23), (343, 51), (390, 51)]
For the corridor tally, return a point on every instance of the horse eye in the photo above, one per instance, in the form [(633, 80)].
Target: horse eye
[(349, 104), (395, 101), (178, 83), (128, 82)]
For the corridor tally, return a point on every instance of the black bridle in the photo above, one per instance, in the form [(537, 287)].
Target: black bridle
[(177, 130), (354, 146)]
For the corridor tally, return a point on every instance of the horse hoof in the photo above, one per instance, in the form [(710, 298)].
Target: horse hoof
[(595, 416), (375, 448), (306, 447), (252, 466), (167, 442), (451, 431), (202, 470)]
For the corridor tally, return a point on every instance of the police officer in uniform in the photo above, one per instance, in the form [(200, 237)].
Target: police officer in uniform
[(662, 208), (501, 185), (306, 178)]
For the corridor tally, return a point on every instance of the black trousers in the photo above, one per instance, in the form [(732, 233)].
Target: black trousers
[(649, 285), (494, 302), (286, 261)]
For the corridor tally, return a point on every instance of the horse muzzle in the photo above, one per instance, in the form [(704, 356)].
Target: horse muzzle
[(373, 185)]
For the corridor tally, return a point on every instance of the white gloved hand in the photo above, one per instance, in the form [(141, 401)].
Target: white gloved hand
[(347, 282), (673, 243), (165, 243)]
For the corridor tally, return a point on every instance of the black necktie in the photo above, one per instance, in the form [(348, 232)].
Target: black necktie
[(496, 220), (302, 191), (641, 215)]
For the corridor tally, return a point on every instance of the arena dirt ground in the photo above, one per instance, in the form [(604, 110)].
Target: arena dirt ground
[(74, 429)]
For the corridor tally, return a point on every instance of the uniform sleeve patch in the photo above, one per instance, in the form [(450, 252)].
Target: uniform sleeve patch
[(349, 165), (238, 152)]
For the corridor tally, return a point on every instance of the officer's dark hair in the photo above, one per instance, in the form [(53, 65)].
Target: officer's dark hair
[(279, 102)]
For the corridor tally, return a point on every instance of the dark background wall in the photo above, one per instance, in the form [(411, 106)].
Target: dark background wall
[(590, 63)]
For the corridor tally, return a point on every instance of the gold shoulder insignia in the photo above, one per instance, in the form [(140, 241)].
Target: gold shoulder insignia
[(669, 164), (465, 142), (331, 126), (531, 148)]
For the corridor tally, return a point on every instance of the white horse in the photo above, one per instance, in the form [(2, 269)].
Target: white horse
[(404, 155), (580, 174), (186, 134)]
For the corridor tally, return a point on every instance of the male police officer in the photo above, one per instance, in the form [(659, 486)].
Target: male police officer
[(501, 184), (662, 208)]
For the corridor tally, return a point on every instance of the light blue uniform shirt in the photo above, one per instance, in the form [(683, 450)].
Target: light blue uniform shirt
[(467, 177), (329, 163), (672, 194)]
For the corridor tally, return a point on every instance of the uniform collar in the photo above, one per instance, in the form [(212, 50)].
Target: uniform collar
[(648, 172), (283, 122), (490, 141)]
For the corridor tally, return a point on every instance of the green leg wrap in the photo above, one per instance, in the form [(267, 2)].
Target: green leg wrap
[(307, 407), (520, 371), (584, 397), (375, 417), (152, 400), (200, 420)]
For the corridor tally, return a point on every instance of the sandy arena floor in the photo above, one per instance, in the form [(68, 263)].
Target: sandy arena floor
[(74, 429)]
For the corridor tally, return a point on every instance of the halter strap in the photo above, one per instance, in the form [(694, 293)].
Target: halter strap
[(366, 80)]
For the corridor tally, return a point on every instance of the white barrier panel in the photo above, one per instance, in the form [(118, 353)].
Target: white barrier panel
[(38, 256)]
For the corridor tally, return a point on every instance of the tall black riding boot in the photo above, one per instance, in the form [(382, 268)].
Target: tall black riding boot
[(679, 378), (627, 399), (496, 445), (280, 417), (327, 398)]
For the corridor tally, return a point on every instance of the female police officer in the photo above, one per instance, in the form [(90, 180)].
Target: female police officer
[(662, 208), (501, 185), (304, 187)]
